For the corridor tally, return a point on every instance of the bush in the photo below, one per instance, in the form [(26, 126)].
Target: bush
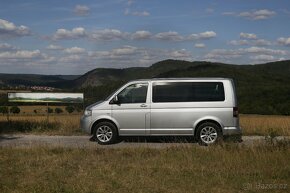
[(15, 110), (79, 108), (4, 110), (58, 110), (69, 109), (49, 110)]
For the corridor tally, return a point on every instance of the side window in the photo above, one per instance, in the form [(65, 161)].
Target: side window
[(134, 93), (188, 92)]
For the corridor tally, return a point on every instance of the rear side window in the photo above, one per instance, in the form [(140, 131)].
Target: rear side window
[(188, 92)]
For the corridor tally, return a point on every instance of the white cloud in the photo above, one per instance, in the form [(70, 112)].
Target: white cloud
[(117, 53), (239, 42), (284, 41), (248, 35), (6, 47), (262, 42), (141, 35), (71, 59), (246, 55), (108, 35), (54, 47), (257, 14), (264, 51), (257, 42), (137, 56), (169, 36), (140, 13), (81, 10), (199, 45), (223, 54), (180, 54), (21, 54), (203, 35), (9, 29), (64, 34), (263, 58), (136, 13), (261, 14), (74, 50), (125, 50)]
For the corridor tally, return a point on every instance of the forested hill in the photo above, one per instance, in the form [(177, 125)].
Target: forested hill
[(261, 88)]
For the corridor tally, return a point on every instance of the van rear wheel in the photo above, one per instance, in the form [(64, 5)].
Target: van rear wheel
[(208, 133), (105, 133)]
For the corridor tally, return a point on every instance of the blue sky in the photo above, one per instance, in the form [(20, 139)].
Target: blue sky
[(73, 37)]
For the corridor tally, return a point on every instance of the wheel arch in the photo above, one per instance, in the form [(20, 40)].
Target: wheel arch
[(206, 120), (104, 119)]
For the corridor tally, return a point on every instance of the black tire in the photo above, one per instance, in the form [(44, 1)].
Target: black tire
[(105, 133), (208, 133)]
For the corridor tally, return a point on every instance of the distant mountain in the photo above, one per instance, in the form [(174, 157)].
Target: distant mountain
[(59, 81), (175, 68), (261, 88)]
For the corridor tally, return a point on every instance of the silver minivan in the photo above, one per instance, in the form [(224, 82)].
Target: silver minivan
[(205, 108)]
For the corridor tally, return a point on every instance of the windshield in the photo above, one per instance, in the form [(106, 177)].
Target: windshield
[(108, 97)]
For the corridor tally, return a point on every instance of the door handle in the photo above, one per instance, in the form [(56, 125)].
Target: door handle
[(143, 105)]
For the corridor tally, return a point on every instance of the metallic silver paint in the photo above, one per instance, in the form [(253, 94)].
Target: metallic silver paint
[(179, 118)]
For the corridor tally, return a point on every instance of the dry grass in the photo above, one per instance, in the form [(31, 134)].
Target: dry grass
[(65, 124), (229, 168), (265, 124), (37, 124)]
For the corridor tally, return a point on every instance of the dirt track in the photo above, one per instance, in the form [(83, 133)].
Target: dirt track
[(84, 141)]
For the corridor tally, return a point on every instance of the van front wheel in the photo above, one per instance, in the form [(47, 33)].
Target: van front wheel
[(105, 133), (208, 133)]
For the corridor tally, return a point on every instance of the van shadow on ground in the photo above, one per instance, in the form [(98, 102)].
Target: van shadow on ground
[(159, 139)]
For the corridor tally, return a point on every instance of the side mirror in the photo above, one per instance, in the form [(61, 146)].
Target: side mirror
[(115, 100)]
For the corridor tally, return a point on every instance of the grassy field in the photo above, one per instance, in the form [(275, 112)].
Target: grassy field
[(265, 124), (65, 124), (223, 168), (62, 124)]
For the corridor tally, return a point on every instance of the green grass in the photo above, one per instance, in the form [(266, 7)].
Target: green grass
[(223, 168)]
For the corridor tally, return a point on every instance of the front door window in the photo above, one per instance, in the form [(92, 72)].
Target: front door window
[(134, 93)]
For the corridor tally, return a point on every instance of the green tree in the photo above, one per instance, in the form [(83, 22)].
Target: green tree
[(69, 109), (58, 110), (3, 110), (15, 110)]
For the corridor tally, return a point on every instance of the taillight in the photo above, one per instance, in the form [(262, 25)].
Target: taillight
[(235, 111)]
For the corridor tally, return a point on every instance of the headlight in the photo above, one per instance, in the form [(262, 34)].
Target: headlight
[(88, 112)]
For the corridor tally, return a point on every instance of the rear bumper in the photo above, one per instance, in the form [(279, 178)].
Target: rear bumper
[(232, 131)]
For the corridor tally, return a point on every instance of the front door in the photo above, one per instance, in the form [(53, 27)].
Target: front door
[(132, 112)]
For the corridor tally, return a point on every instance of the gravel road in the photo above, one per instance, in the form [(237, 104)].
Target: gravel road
[(84, 142)]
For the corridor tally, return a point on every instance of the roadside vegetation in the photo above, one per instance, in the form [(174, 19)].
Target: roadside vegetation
[(54, 124), (221, 168), (69, 124)]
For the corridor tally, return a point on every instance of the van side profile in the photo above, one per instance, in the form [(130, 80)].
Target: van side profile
[(205, 108)]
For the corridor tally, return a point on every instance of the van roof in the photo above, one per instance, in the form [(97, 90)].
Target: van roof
[(201, 78)]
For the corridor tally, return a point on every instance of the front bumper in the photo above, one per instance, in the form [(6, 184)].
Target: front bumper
[(86, 123), (232, 131)]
